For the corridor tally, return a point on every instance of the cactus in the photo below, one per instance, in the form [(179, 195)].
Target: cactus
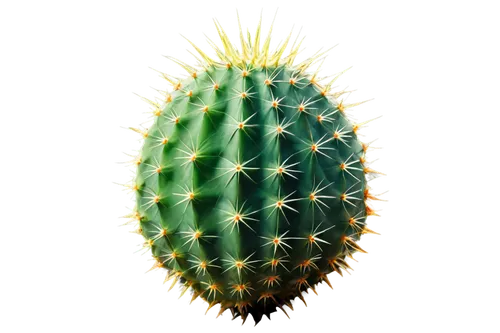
[(251, 184)]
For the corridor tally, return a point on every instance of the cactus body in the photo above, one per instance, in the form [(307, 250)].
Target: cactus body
[(248, 183), (251, 185)]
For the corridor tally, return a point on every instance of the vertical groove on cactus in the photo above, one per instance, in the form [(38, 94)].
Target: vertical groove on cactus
[(251, 185)]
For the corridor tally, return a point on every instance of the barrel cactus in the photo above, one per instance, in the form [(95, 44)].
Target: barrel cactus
[(251, 183)]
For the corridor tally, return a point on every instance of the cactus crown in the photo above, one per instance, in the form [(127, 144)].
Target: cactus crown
[(251, 185)]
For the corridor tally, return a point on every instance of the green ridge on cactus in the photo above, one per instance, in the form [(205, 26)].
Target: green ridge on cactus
[(251, 185)]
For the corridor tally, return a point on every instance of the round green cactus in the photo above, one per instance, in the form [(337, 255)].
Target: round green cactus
[(251, 184)]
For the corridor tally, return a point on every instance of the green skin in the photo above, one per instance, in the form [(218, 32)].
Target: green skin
[(168, 173)]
